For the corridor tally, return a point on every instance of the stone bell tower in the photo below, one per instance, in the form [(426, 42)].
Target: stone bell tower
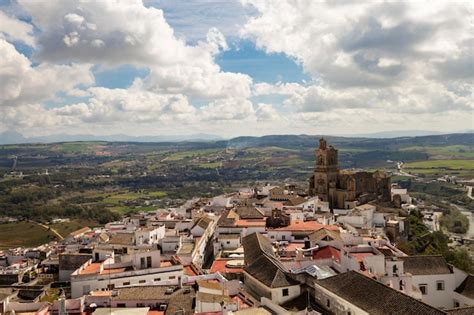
[(324, 179)]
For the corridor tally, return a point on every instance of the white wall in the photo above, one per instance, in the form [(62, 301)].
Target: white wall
[(274, 236), (170, 244), (375, 264), (277, 294), (461, 300), (434, 297), (337, 305), (155, 259), (229, 243), (83, 285)]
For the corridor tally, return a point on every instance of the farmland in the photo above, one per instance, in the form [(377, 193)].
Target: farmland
[(16, 234)]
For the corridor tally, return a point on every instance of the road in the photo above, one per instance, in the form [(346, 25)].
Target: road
[(59, 236), (401, 171), (469, 192)]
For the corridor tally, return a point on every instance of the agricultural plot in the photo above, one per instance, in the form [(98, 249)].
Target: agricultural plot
[(16, 234)]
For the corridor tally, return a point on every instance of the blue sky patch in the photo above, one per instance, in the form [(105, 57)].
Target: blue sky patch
[(244, 57), (120, 77)]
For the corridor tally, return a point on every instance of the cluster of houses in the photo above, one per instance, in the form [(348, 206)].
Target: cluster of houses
[(262, 250), (270, 250)]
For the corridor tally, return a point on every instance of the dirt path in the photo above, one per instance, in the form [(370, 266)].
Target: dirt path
[(51, 229)]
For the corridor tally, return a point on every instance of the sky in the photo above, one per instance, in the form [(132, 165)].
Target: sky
[(232, 68)]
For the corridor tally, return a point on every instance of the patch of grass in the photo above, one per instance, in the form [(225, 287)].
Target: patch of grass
[(117, 198), (269, 150), (458, 151), (65, 228), (23, 233), (441, 164), (190, 154), (78, 147), (51, 295)]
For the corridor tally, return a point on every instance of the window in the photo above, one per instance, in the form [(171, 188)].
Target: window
[(456, 304), (121, 305), (126, 283), (328, 303), (285, 292), (157, 279), (142, 262), (228, 242), (395, 269), (142, 281), (283, 237), (440, 285), (423, 288), (148, 262), (172, 277)]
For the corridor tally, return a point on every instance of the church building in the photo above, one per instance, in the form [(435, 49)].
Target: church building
[(345, 189)]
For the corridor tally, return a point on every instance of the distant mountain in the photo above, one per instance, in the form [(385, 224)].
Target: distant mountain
[(399, 133), (307, 141), (284, 141), (13, 137)]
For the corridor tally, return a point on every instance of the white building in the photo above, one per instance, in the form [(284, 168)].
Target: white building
[(138, 268), (355, 294)]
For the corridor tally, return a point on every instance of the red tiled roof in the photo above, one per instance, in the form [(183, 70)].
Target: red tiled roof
[(189, 271), (91, 269), (298, 225), (113, 270), (292, 247), (219, 265), (242, 302), (250, 223), (327, 252)]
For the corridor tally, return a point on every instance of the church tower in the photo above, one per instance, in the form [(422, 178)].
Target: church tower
[(324, 179)]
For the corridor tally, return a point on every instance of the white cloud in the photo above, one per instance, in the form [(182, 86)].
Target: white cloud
[(266, 112), (228, 109), (404, 57), (128, 105), (127, 32), (13, 30), (21, 83), (373, 65)]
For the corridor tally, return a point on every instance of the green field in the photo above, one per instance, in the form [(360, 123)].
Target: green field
[(450, 151), (65, 228), (460, 168), (23, 234), (442, 164), (78, 147), (190, 154)]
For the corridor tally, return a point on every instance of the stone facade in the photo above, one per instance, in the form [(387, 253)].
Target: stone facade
[(345, 189)]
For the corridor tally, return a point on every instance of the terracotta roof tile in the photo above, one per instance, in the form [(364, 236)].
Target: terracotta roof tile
[(466, 288), (425, 265), (368, 294)]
